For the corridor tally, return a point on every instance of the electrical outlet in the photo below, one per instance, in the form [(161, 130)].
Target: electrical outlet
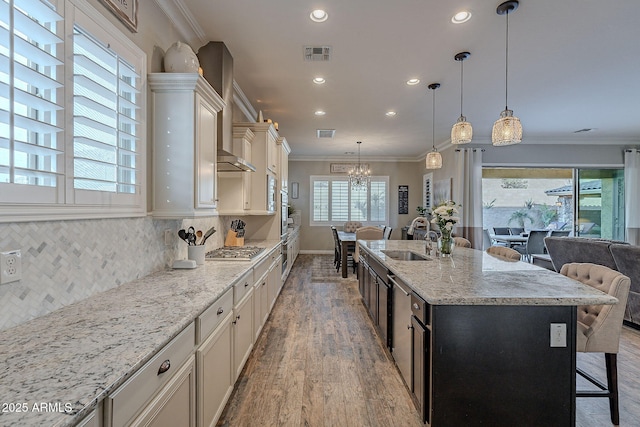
[(558, 335), (10, 266), (168, 237)]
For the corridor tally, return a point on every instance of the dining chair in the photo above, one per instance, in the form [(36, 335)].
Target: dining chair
[(337, 260), (504, 252), (387, 233), (559, 233), (533, 245), (504, 231), (599, 327), (351, 226), (366, 233), (462, 242), (516, 230), (486, 239)]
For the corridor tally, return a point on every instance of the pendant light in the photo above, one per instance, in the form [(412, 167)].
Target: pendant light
[(461, 132), (359, 176), (434, 159), (507, 129)]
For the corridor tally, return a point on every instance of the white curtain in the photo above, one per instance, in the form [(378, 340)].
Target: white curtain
[(631, 191), (468, 193)]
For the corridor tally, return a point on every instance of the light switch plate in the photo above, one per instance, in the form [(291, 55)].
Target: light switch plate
[(558, 335)]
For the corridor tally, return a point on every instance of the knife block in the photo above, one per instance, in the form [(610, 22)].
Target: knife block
[(233, 240)]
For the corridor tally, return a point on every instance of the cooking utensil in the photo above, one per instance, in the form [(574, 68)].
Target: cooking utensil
[(191, 236), (199, 237), (183, 235), (208, 234)]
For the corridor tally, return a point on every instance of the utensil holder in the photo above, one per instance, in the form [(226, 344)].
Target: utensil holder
[(233, 240), (196, 253)]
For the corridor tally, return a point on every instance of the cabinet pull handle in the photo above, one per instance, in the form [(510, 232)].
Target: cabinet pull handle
[(164, 367), (246, 284), (409, 326), (236, 321), (220, 311)]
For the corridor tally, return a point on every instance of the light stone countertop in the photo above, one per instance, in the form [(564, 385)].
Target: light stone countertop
[(82, 352), (473, 277)]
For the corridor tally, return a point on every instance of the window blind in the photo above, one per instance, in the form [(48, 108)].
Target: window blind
[(31, 97), (334, 201), (104, 117)]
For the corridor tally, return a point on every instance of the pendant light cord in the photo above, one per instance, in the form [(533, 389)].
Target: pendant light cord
[(433, 121), (461, 89), (506, 67)]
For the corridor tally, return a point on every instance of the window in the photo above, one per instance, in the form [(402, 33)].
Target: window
[(333, 201), (71, 124)]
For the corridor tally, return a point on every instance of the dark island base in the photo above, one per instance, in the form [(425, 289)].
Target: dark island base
[(493, 365)]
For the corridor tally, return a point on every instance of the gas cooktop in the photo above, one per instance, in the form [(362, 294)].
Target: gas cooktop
[(234, 253)]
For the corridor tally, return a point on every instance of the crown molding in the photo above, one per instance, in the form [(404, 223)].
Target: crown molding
[(184, 21), (242, 102)]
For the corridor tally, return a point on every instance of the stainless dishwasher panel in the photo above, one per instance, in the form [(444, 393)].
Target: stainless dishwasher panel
[(401, 329)]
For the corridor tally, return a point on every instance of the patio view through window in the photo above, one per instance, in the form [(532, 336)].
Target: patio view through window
[(586, 202)]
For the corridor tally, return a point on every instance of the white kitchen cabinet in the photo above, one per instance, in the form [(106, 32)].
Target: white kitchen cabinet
[(215, 372), (175, 405), (185, 109), (234, 188), (242, 332), (166, 379), (283, 173), (260, 306), (274, 281), (94, 419), (263, 180)]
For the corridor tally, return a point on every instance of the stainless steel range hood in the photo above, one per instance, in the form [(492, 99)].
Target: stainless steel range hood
[(217, 65)]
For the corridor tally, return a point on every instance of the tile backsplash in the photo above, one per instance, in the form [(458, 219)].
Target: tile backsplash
[(67, 261)]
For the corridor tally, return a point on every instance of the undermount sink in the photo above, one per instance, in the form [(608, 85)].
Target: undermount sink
[(405, 255)]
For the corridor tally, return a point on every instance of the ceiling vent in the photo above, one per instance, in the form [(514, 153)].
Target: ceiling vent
[(325, 133), (317, 53)]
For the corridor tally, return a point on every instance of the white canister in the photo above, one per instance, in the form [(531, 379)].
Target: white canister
[(180, 58)]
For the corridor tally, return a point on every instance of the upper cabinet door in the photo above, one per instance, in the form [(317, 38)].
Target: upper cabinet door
[(185, 109)]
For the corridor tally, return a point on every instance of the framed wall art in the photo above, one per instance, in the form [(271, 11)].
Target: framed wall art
[(126, 11)]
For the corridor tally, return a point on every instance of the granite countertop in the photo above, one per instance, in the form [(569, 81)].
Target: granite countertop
[(75, 356), (473, 277)]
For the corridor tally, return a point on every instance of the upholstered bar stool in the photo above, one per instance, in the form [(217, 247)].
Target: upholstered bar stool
[(462, 242), (599, 326), (366, 233), (504, 252)]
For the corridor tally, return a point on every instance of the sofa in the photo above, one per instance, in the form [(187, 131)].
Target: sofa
[(617, 255)]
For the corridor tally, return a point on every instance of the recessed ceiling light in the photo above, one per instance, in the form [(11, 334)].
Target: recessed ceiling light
[(461, 17), (320, 113), (319, 80), (390, 113), (413, 82), (318, 15)]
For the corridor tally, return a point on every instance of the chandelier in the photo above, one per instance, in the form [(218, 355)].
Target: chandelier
[(507, 130), (434, 159), (359, 175)]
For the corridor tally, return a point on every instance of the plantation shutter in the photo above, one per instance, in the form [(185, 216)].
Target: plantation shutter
[(105, 116), (31, 102), (339, 201)]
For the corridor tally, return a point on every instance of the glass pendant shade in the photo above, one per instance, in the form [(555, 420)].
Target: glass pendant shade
[(433, 160), (507, 130), (461, 132)]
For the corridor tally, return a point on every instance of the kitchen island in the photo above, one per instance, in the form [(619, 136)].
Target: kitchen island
[(492, 340), (60, 367)]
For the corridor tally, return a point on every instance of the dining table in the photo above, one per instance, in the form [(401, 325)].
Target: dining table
[(346, 239), (510, 239)]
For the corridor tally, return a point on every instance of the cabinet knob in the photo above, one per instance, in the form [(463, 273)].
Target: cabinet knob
[(164, 367), (416, 306), (409, 327), (246, 284), (220, 311)]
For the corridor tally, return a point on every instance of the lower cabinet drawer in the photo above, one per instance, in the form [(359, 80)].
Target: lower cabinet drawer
[(209, 320), (130, 398), (242, 286)]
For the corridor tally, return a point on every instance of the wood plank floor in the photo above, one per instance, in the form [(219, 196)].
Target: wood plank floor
[(319, 362)]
